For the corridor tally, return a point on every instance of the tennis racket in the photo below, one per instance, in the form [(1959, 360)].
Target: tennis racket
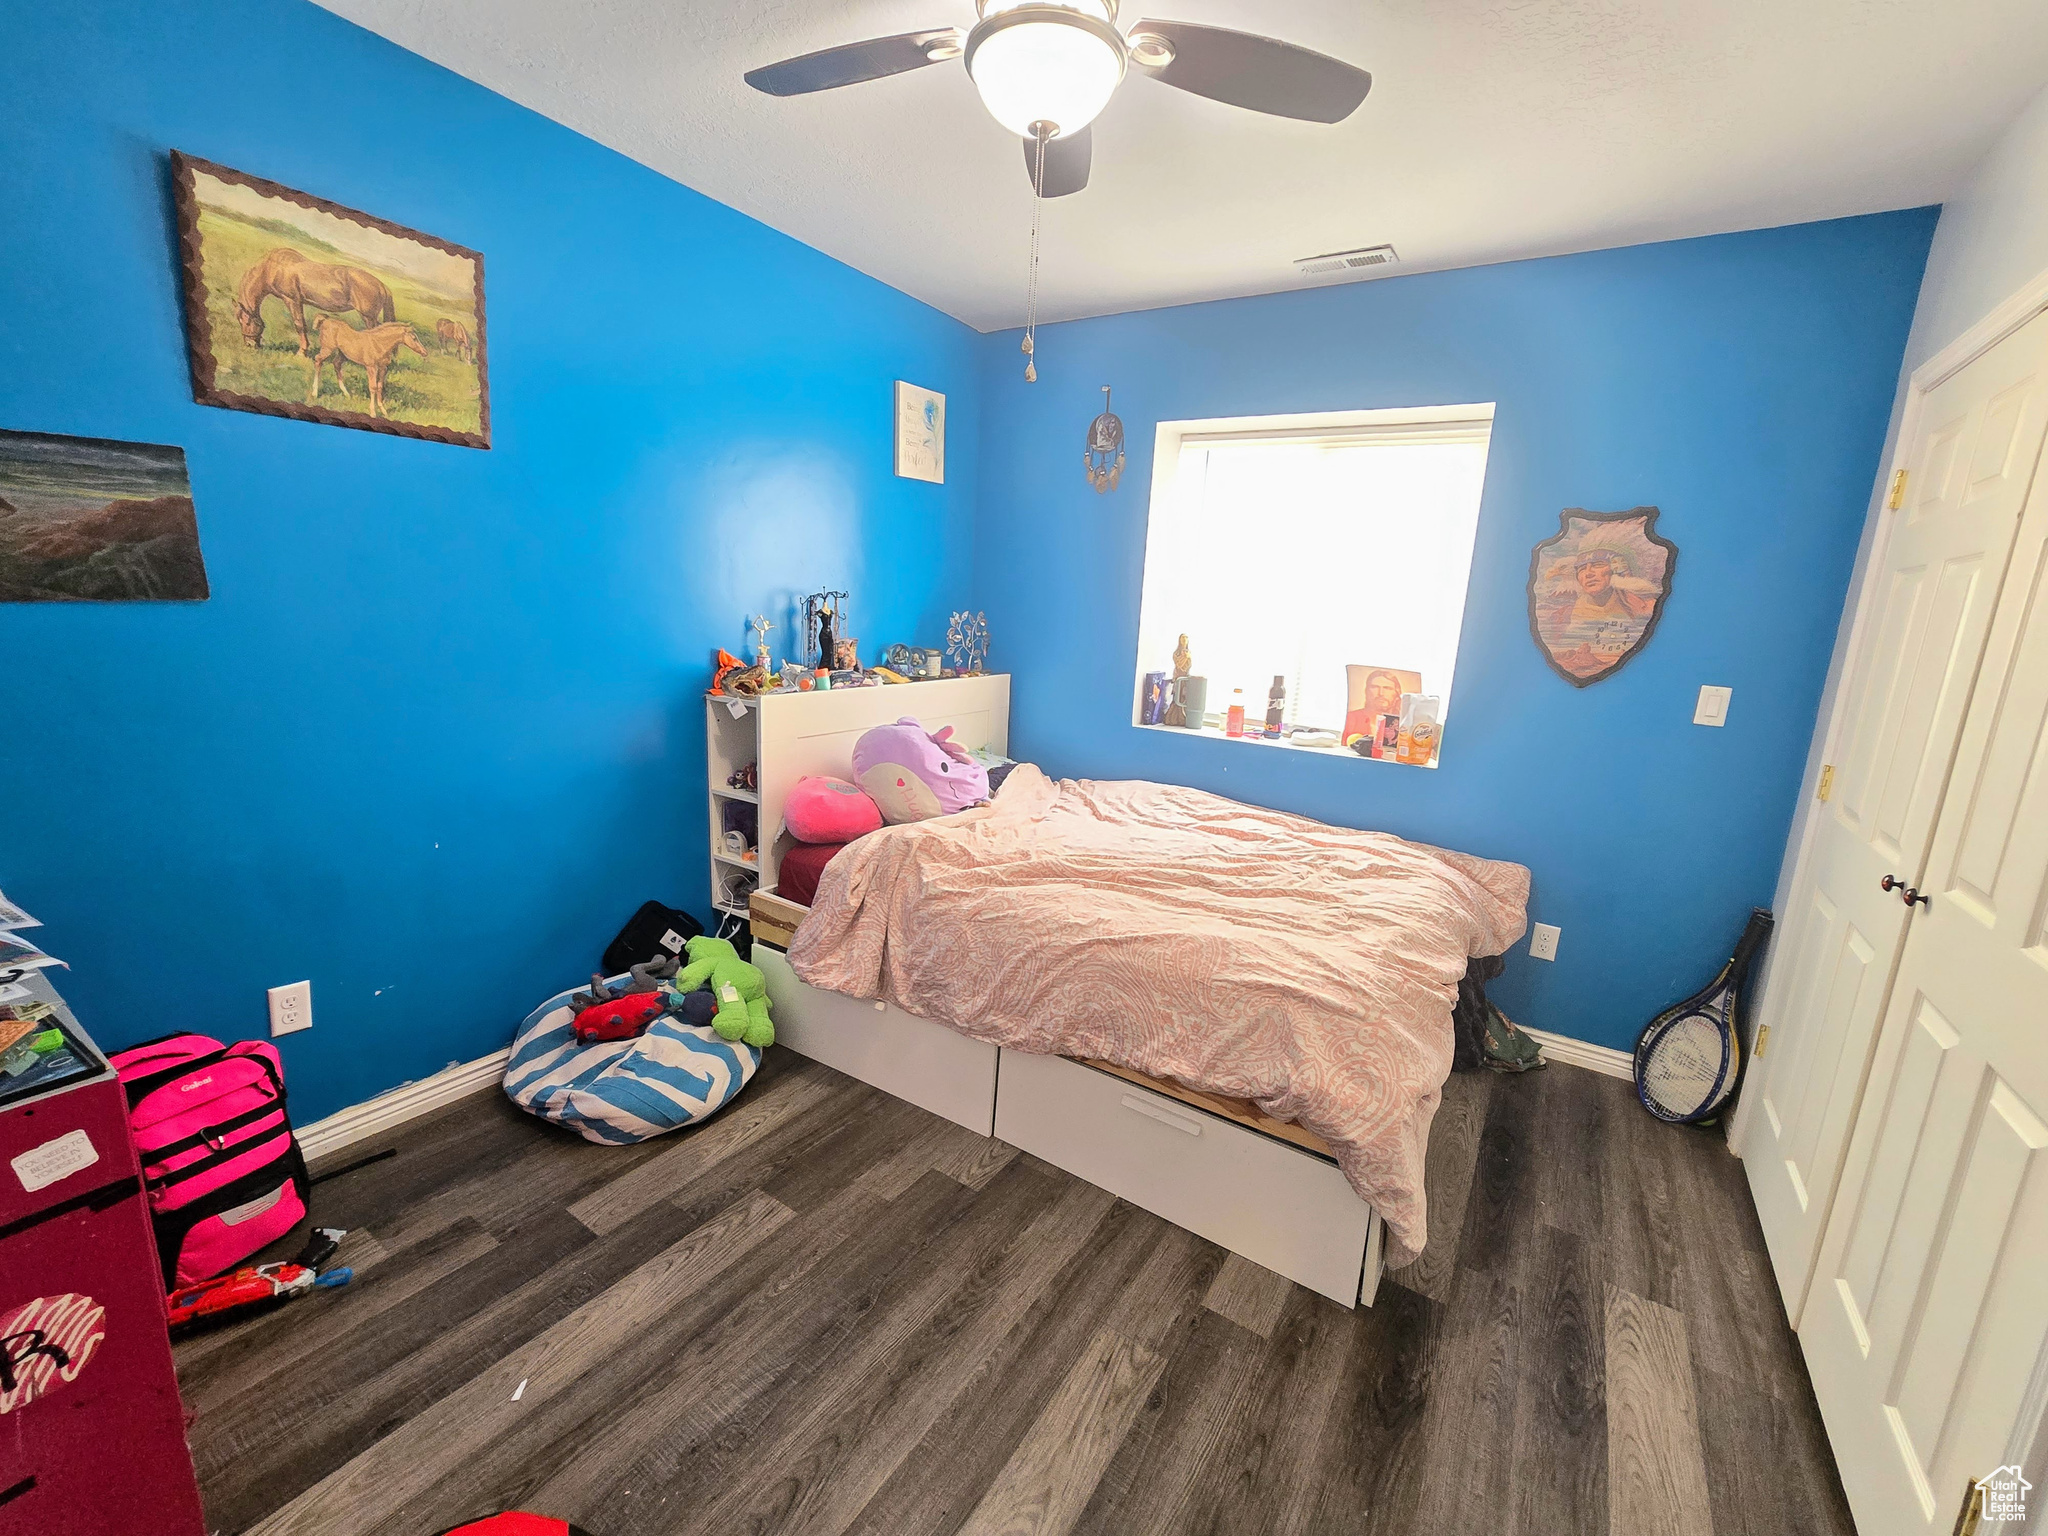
[(1689, 1059)]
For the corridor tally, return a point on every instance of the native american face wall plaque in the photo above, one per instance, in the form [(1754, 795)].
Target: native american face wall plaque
[(1597, 589)]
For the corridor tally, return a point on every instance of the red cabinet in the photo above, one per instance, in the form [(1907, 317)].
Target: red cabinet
[(92, 1434)]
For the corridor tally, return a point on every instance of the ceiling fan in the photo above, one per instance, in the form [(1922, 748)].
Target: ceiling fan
[(1045, 69)]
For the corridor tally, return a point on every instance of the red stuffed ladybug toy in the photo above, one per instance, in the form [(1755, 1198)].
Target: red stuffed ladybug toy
[(516, 1524), (621, 1019)]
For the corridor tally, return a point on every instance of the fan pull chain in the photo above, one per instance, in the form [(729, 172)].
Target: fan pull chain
[(1031, 290)]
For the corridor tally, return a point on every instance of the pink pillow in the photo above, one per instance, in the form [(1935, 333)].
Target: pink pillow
[(829, 811)]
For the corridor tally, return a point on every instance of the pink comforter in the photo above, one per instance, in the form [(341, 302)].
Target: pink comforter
[(1241, 951)]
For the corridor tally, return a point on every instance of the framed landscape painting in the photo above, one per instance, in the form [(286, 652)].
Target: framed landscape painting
[(88, 519), (295, 306)]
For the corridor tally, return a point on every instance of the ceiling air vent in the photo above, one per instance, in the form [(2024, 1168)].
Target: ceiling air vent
[(1345, 261)]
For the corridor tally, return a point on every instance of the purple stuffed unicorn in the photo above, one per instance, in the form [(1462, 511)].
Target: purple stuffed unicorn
[(913, 776)]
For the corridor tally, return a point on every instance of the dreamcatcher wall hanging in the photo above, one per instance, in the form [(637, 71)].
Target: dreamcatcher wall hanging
[(1105, 455)]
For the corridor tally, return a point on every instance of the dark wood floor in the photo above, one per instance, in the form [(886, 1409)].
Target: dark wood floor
[(827, 1311)]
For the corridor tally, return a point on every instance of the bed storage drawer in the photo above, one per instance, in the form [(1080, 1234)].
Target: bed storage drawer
[(1276, 1205), (933, 1067)]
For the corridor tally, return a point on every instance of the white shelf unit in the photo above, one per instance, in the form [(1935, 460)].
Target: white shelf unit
[(732, 739), (790, 736)]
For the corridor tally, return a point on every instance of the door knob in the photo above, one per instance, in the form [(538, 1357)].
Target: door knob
[(1908, 894)]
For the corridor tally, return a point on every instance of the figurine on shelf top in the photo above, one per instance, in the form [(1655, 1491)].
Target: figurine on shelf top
[(730, 677), (967, 642), (822, 625)]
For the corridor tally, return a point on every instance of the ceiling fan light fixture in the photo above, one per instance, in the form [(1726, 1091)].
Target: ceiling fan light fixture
[(1038, 63), (1150, 51)]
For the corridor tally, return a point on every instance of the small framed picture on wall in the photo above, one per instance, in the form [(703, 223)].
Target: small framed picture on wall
[(920, 433)]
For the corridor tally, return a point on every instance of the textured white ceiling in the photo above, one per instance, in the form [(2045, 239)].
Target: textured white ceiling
[(1496, 129)]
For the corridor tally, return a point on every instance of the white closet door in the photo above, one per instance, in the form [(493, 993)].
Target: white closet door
[(1925, 1329), (1933, 596)]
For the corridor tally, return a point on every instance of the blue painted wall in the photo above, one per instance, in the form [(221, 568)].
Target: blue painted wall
[(438, 730), (1740, 383)]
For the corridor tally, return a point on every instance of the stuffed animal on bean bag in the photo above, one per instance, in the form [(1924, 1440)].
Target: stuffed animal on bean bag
[(829, 811), (602, 1014), (623, 1018), (741, 990), (913, 775)]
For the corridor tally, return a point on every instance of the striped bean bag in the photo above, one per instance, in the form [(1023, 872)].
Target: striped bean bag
[(621, 1091)]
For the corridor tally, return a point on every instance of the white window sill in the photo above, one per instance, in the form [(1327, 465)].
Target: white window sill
[(1216, 733)]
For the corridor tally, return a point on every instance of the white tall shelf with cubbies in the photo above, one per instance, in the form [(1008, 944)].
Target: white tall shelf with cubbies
[(732, 737), (790, 736)]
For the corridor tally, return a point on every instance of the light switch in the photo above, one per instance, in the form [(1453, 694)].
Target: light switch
[(1713, 705)]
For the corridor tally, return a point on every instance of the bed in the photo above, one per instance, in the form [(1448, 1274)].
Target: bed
[(1236, 1018)]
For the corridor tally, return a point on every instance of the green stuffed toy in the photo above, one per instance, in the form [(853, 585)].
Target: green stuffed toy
[(741, 991)]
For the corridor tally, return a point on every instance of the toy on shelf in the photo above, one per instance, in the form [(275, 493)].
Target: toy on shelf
[(734, 678), (740, 988), (747, 778)]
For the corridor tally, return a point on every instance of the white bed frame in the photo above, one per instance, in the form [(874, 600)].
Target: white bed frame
[(1275, 1203)]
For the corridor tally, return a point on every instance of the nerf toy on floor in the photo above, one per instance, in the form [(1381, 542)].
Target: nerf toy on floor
[(259, 1287)]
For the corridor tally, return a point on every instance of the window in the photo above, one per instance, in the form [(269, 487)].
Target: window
[(1302, 546)]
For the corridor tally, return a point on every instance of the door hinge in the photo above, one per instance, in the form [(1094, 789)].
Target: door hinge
[(1898, 498), (1971, 1515), (1763, 1038), (1827, 781)]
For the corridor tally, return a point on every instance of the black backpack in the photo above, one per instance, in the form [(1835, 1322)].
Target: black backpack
[(653, 930)]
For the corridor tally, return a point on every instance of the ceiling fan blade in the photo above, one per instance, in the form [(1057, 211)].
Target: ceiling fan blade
[(1066, 162), (851, 63), (1261, 73)]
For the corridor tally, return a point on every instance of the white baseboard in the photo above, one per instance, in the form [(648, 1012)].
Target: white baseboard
[(359, 1122), (407, 1102), (1603, 1059)]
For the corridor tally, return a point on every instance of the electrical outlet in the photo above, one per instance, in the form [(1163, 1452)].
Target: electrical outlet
[(1543, 941), (1712, 708), (291, 1008)]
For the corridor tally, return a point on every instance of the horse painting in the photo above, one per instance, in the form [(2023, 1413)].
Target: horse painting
[(373, 349), (351, 289), (287, 275), (454, 337)]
